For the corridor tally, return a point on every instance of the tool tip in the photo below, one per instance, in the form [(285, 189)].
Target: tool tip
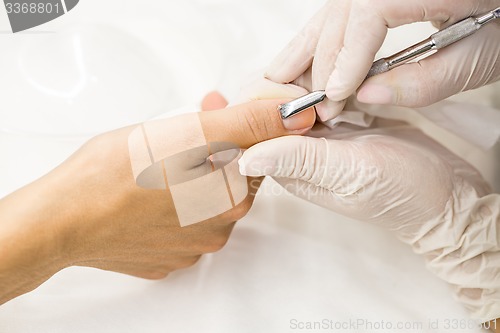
[(298, 105), (286, 110), (496, 12), (378, 67)]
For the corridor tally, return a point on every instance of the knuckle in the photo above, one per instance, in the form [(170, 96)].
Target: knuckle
[(249, 121), (420, 91), (424, 89), (216, 245), (98, 143), (217, 242), (98, 149), (191, 261), (240, 210), (258, 122), (364, 3), (155, 274)]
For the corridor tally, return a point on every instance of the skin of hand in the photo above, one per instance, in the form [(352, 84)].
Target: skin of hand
[(404, 181), (495, 326), (89, 211), (336, 49)]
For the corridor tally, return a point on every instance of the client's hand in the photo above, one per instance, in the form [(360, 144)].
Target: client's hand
[(90, 212), (400, 179)]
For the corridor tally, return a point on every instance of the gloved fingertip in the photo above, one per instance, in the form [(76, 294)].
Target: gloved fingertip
[(339, 86), (281, 70), (328, 110), (290, 64), (333, 92), (274, 73), (373, 93), (242, 168), (255, 167)]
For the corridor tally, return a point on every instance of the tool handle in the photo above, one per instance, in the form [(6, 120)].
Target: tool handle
[(437, 41), (386, 64), (455, 33)]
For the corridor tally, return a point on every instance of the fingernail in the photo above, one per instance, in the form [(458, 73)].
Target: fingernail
[(293, 124), (375, 94), (255, 167), (301, 122)]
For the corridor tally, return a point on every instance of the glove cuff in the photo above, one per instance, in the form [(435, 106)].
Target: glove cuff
[(462, 247)]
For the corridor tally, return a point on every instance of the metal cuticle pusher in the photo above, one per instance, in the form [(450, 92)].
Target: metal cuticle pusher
[(437, 41)]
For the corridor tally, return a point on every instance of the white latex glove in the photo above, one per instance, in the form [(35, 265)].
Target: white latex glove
[(338, 46), (400, 179)]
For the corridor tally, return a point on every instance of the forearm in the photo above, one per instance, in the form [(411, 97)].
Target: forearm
[(31, 248)]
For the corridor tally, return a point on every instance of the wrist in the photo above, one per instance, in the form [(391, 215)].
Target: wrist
[(32, 242), (463, 248)]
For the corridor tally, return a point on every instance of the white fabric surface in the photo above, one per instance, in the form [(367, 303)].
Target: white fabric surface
[(286, 260)]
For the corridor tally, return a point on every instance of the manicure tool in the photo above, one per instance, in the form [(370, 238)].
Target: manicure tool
[(437, 41)]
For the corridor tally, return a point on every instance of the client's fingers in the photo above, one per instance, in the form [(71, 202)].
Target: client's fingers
[(213, 101), (247, 124)]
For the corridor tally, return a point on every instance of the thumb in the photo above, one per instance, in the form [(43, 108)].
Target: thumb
[(470, 64), (293, 157), (342, 167), (247, 124), (317, 170)]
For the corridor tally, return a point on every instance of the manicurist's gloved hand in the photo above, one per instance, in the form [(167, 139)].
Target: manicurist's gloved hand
[(338, 46), (400, 179), (90, 212)]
